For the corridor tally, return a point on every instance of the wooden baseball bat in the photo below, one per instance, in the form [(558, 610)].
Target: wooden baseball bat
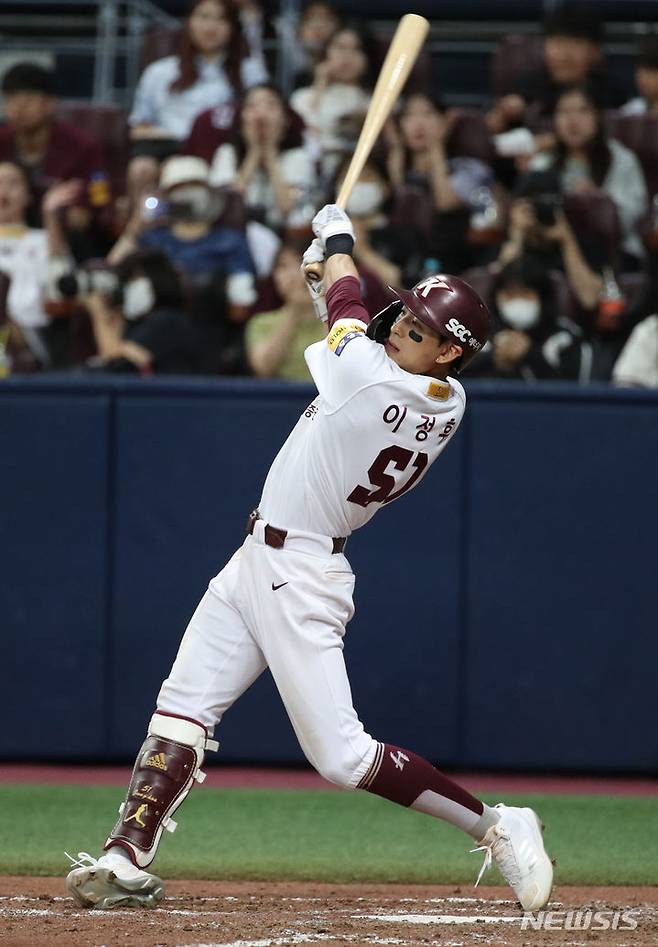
[(402, 54)]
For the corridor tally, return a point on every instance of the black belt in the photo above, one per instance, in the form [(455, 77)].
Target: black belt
[(276, 538)]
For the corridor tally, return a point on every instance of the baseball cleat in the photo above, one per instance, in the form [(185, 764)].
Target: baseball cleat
[(111, 880), (516, 845)]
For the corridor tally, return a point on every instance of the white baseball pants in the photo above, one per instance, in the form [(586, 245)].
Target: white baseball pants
[(285, 609)]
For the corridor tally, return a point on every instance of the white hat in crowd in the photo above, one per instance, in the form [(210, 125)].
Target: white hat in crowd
[(183, 169)]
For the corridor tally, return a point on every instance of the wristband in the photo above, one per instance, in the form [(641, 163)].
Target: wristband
[(338, 243)]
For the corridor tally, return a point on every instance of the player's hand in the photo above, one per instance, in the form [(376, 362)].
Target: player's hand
[(314, 258), (314, 253), (329, 222)]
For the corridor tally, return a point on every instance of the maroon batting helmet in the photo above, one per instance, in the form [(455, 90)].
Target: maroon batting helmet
[(453, 309)]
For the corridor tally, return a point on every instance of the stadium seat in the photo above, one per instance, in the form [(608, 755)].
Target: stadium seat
[(470, 137), (593, 216), (633, 287), (107, 124), (640, 134)]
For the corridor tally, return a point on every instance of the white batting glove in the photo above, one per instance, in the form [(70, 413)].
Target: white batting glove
[(315, 254), (329, 221)]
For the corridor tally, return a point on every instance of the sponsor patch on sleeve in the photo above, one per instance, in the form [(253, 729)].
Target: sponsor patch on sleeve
[(341, 334), (439, 390)]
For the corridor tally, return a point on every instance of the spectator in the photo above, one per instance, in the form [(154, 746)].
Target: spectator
[(276, 341), (529, 342), (585, 160), (144, 328), (646, 80), (211, 69), (551, 243), (418, 157), (197, 245), (638, 361), (266, 162), (573, 37), (51, 151), (334, 106), (252, 20), (306, 39), (29, 258)]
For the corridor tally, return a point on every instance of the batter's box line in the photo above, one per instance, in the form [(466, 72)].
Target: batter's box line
[(439, 918)]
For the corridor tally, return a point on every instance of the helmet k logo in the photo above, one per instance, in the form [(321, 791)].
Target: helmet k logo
[(432, 282)]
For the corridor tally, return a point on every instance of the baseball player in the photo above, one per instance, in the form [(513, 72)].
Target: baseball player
[(386, 408)]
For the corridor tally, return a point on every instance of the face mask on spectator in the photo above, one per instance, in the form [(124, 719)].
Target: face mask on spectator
[(191, 202), (138, 298), (520, 313), (366, 198)]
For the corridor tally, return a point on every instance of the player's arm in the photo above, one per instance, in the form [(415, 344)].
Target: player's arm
[(340, 283)]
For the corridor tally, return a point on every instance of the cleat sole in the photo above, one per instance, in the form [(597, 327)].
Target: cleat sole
[(102, 889)]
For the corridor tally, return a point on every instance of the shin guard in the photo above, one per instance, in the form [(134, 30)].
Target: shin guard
[(168, 764)]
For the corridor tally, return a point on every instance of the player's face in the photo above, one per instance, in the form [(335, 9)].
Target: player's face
[(415, 347)]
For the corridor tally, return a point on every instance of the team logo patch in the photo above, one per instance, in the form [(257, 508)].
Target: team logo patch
[(341, 334), (438, 390)]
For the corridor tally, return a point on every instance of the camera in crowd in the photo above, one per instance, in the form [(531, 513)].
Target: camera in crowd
[(193, 203), (547, 206), (94, 277)]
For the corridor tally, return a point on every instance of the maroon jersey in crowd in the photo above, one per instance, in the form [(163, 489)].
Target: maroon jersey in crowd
[(211, 129), (71, 153)]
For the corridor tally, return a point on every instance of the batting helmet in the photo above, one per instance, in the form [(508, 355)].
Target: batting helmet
[(452, 308)]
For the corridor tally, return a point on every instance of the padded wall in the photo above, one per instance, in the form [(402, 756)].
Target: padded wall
[(526, 638)]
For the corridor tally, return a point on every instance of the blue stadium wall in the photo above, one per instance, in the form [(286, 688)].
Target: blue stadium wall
[(527, 637)]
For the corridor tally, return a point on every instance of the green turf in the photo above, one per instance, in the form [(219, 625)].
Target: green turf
[(325, 835)]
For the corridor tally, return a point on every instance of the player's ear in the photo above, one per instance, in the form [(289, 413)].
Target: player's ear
[(449, 351)]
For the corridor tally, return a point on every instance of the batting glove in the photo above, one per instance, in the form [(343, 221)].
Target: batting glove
[(314, 255), (330, 222)]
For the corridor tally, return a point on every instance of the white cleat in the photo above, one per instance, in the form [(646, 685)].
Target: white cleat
[(516, 845), (111, 881)]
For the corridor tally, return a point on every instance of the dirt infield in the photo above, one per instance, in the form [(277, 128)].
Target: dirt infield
[(35, 912)]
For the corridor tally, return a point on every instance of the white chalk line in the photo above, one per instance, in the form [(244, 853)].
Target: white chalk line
[(440, 918), (274, 941), (284, 941)]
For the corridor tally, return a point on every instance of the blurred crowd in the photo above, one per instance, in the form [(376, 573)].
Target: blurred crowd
[(169, 241)]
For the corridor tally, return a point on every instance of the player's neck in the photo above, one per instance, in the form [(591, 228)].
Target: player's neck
[(441, 373)]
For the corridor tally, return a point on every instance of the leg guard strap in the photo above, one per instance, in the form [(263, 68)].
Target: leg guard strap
[(166, 768)]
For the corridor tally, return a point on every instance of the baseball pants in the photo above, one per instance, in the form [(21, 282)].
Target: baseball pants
[(285, 609)]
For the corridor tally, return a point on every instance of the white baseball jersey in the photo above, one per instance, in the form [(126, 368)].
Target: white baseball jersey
[(369, 437)]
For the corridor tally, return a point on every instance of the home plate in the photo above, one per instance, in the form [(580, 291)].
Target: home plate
[(441, 918)]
